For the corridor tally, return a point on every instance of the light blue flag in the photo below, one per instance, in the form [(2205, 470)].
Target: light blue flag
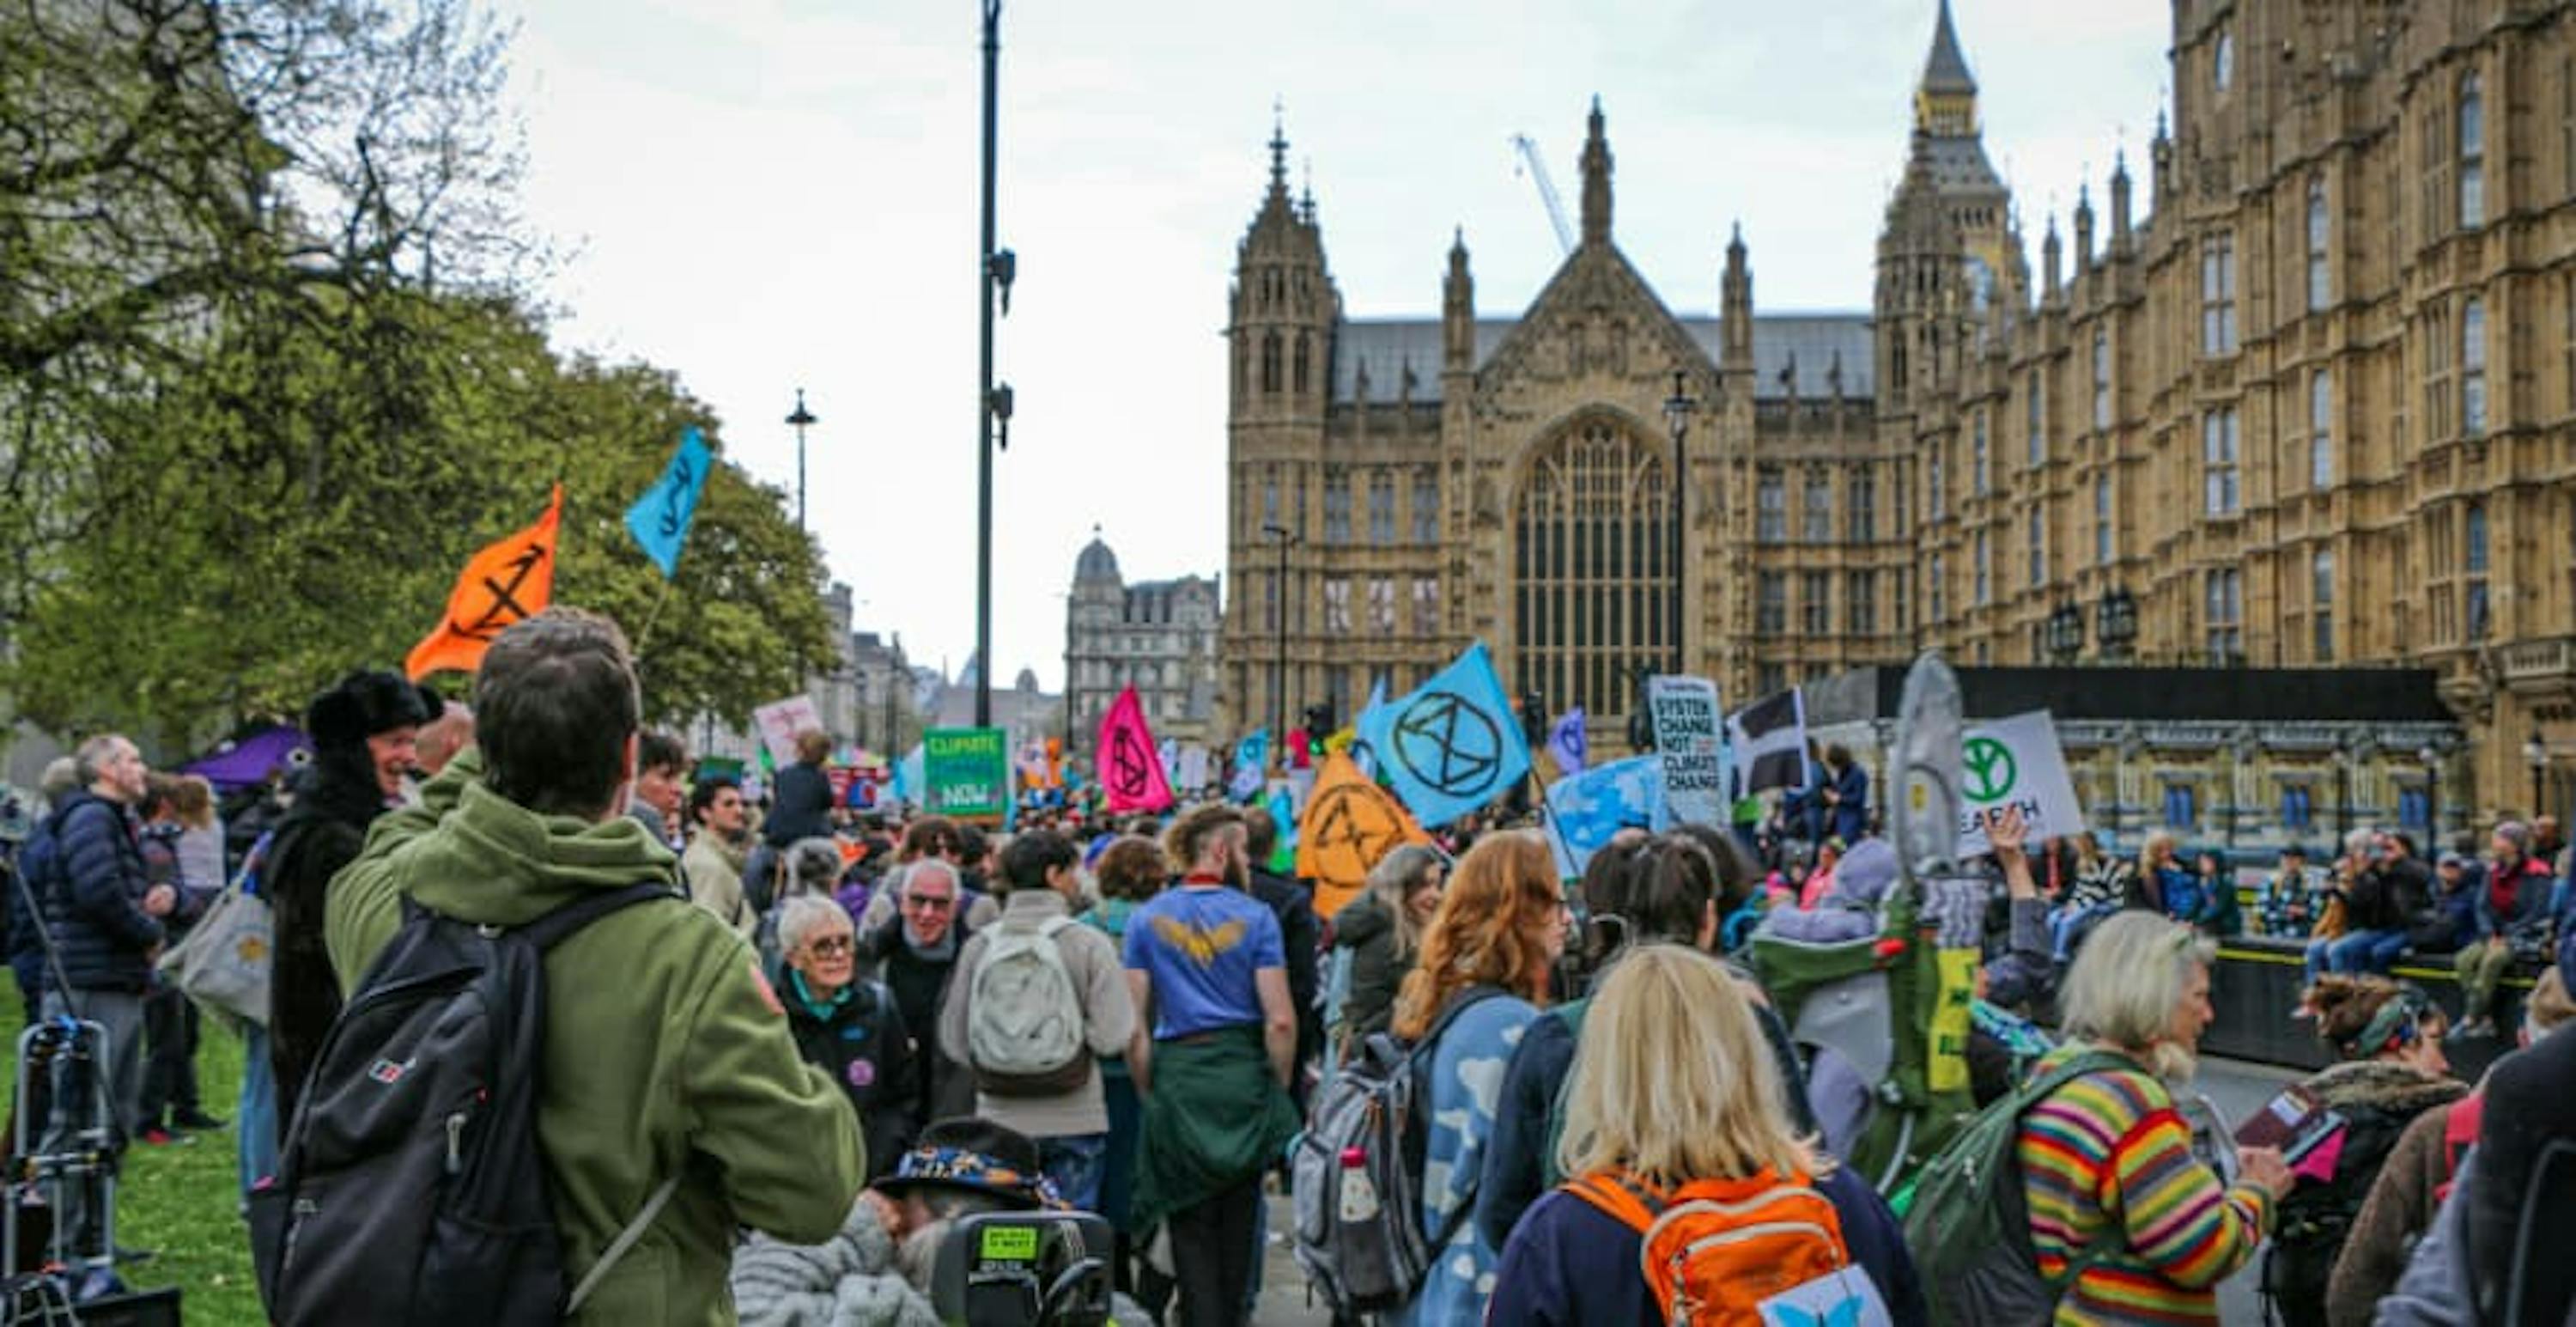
[(1452, 744), (1586, 809), (1361, 753), (1251, 765), (1569, 743), (909, 776), (1283, 812), (660, 519)]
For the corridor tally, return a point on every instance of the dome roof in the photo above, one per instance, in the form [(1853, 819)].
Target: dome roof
[(1097, 563)]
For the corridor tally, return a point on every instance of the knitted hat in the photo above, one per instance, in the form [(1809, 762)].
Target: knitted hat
[(364, 704)]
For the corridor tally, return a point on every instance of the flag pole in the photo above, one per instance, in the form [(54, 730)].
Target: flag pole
[(651, 616)]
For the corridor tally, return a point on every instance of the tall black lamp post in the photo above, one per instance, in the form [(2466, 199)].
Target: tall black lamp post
[(800, 421), (1279, 634), (994, 270), (2535, 753), (1677, 416)]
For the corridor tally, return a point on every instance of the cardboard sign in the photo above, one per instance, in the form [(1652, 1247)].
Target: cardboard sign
[(2015, 762), (1689, 739), (966, 772), (780, 721)]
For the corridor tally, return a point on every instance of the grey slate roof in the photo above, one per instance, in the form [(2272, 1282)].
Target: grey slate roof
[(1809, 341)]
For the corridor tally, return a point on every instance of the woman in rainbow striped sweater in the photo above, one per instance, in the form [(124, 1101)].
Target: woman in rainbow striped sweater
[(2119, 1205)]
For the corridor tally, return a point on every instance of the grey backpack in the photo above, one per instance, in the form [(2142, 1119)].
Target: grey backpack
[(1356, 1171)]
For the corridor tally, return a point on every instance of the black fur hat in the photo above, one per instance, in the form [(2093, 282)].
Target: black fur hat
[(364, 704)]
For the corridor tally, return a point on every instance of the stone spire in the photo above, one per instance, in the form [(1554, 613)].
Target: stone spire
[(1596, 181), (1945, 100)]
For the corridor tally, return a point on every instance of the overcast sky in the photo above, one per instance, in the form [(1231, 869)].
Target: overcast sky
[(767, 194)]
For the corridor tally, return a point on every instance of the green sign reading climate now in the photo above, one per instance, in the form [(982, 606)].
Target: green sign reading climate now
[(965, 772)]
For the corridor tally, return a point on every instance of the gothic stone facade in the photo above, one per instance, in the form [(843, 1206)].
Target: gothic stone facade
[(1159, 637), (2320, 409)]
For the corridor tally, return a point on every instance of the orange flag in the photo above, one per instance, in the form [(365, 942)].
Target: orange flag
[(509, 580), (1350, 823)]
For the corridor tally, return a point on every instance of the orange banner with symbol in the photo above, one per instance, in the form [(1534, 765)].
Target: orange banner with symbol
[(509, 580), (1350, 823)]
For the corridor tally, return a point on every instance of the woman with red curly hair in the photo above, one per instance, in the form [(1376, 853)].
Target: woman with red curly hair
[(1482, 976)]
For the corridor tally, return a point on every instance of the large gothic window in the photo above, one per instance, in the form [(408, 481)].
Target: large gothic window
[(1592, 575)]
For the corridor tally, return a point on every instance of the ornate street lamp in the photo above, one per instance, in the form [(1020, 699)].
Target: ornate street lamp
[(1677, 415), (1279, 637), (2535, 753), (800, 421), (2117, 624), (2065, 631)]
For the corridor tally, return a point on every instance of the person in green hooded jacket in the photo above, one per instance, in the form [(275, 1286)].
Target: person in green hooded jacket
[(667, 1050)]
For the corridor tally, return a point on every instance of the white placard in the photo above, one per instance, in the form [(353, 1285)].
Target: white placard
[(2016, 762), (1689, 736), (781, 720)]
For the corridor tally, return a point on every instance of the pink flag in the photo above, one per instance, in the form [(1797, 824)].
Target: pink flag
[(1129, 764)]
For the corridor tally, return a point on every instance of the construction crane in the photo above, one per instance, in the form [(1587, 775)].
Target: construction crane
[(1537, 170)]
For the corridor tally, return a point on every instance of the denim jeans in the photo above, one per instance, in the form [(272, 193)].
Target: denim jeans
[(2365, 951), (1074, 1162), (255, 1120), (2319, 951), (2066, 922)]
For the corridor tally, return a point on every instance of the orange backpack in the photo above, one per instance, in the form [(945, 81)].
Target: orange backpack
[(1715, 1251)]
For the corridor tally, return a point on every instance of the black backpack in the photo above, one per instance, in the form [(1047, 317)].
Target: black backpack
[(412, 1187)]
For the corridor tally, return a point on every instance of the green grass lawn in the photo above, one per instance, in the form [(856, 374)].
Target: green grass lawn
[(183, 1200)]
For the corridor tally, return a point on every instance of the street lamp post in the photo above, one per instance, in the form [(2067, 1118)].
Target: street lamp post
[(800, 421), (1279, 634), (2535, 753), (995, 269), (2432, 760), (1677, 414), (2343, 793)]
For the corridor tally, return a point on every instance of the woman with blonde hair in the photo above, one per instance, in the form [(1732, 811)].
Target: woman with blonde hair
[(2107, 1165), (201, 833), (1675, 1087), (1482, 975), (1376, 935)]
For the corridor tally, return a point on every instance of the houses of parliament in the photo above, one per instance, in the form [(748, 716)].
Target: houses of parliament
[(2319, 409)]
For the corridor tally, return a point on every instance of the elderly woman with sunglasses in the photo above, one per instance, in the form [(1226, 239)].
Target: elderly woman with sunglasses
[(851, 1029)]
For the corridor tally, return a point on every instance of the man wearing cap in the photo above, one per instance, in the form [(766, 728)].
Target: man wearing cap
[(365, 733)]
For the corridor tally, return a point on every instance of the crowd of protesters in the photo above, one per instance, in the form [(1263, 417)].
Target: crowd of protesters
[(874, 1025)]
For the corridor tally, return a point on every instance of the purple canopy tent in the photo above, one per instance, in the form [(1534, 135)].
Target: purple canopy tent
[(242, 761)]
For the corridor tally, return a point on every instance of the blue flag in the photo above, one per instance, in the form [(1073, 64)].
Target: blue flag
[(660, 519), (1586, 809), (909, 782), (1569, 743), (1452, 744), (1361, 755), (1251, 766), (1283, 812)]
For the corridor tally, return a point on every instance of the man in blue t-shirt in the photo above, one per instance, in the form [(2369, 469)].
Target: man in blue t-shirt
[(1215, 1043)]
